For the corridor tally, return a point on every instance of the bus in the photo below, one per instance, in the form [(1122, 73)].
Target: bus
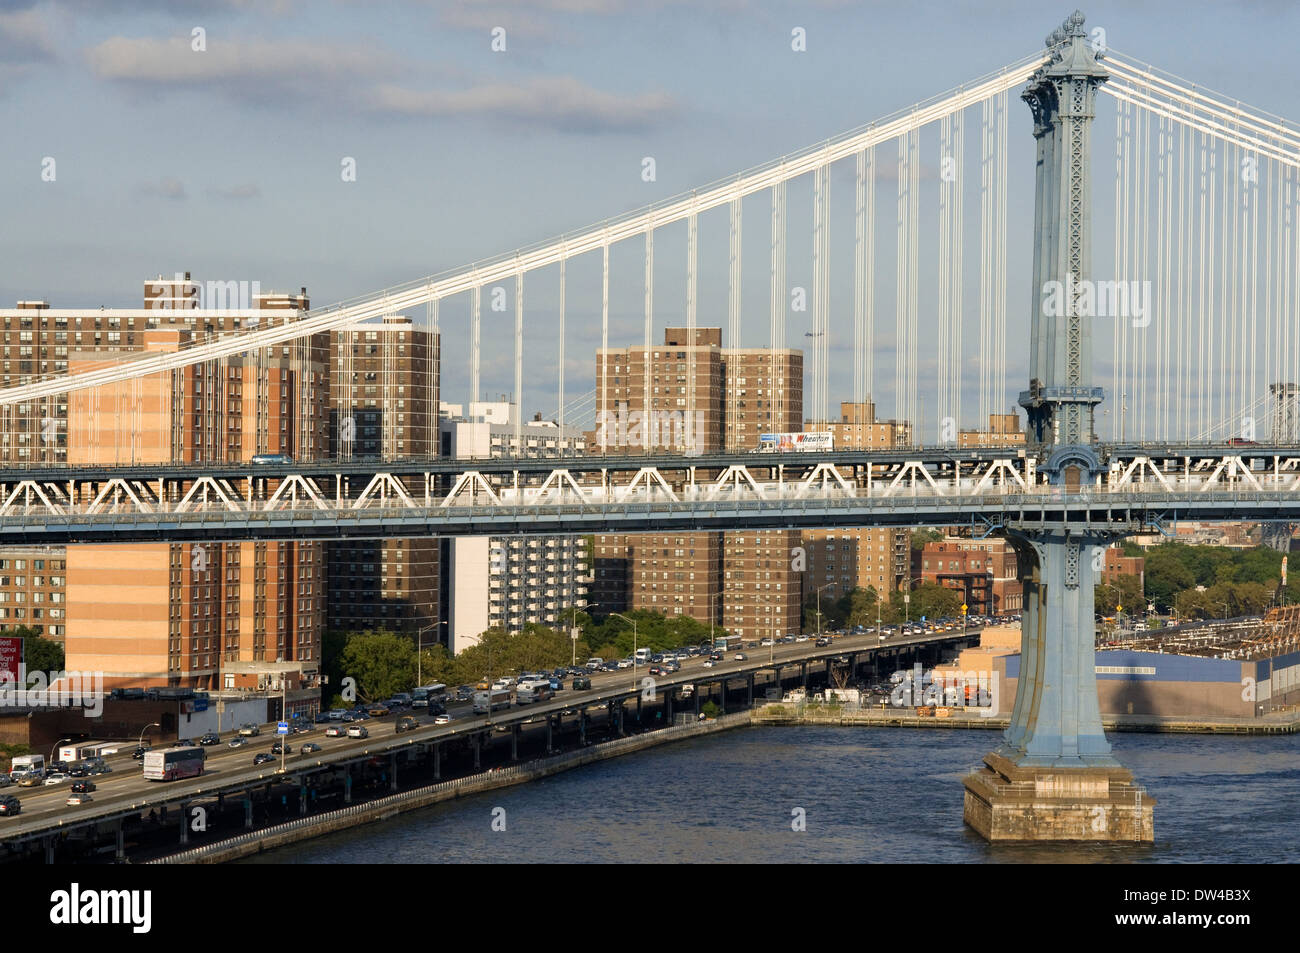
[(271, 459), (498, 698), (534, 690), (172, 764), (429, 694)]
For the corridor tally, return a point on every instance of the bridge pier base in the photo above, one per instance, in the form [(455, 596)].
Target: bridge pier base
[(1053, 778), (185, 822), (550, 730), (514, 742), (392, 773), (749, 691)]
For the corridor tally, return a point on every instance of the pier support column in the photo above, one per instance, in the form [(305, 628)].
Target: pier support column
[(638, 709), (668, 707), (695, 695), (120, 834), (248, 811), (478, 752), (514, 742), (437, 761), (347, 784), (803, 674), (550, 729), (184, 813), (582, 726), (392, 772), (49, 849), (749, 691), (1053, 777)]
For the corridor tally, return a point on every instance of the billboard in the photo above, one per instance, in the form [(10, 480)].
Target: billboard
[(11, 656), (813, 440)]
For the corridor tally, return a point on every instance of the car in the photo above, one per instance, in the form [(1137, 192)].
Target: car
[(10, 806), (183, 743), (237, 742), (581, 682), (709, 662), (766, 642), (57, 777), (4, 780), (715, 656), (741, 657), (335, 714), (823, 641), (60, 767), (76, 800), (672, 668), (303, 728), (30, 779), (82, 787), (249, 730), (335, 731), (281, 747), (624, 663), (801, 638), (361, 716), (262, 758), (211, 738), (358, 731), (309, 748), (378, 710), (657, 670), (138, 753), (406, 723), (443, 719)]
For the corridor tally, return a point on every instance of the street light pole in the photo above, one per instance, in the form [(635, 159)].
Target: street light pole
[(819, 608), (419, 650), (573, 631), (633, 622), (140, 743)]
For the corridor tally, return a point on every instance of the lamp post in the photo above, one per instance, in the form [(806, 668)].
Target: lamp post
[(419, 649), (819, 608), (573, 631), (140, 743), (56, 748), (633, 622)]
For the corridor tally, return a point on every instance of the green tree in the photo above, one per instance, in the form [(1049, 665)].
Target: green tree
[(41, 655), (922, 536), (381, 663)]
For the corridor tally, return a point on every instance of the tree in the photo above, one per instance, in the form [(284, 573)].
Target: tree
[(922, 536), (41, 655), (381, 663)]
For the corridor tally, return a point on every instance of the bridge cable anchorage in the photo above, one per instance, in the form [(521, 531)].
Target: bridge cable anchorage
[(400, 298)]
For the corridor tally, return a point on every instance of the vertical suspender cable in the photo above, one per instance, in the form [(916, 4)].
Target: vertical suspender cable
[(777, 331), (475, 306), (563, 288), (519, 363), (692, 265), (647, 406), (733, 319)]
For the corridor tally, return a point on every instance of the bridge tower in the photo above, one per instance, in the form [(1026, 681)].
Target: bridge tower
[(1053, 777)]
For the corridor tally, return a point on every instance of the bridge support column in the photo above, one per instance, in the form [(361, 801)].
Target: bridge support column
[(49, 850), (347, 784), (550, 730), (478, 752), (437, 761), (722, 695), (120, 833), (668, 707), (749, 691), (1053, 777), (803, 674), (185, 822), (248, 811), (582, 726), (392, 773), (514, 742), (696, 696)]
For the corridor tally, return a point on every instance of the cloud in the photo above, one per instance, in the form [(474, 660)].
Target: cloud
[(25, 38), (557, 100), (363, 79), (245, 190), (168, 187)]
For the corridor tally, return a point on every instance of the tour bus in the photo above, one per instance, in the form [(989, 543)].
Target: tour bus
[(271, 459), (534, 690), (429, 694), (173, 764), (498, 698)]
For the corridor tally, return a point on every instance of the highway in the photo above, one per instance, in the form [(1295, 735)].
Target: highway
[(125, 791)]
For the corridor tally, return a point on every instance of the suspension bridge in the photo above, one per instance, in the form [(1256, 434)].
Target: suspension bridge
[(1186, 407)]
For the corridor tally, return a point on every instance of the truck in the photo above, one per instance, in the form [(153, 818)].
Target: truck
[(534, 690), (80, 750), (27, 766)]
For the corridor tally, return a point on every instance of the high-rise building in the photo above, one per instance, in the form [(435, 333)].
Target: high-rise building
[(384, 380), (1003, 431), (170, 614), (180, 614), (694, 396), (984, 572), (506, 582)]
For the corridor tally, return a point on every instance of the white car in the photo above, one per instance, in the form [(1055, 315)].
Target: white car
[(625, 663), (358, 731), (801, 638), (55, 778), (709, 663)]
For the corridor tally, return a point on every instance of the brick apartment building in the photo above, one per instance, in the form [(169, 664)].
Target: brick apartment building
[(384, 389), (983, 572), (703, 398)]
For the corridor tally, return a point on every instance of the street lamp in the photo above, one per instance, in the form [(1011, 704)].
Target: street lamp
[(56, 748), (633, 622), (573, 630), (419, 650), (819, 608), (140, 743)]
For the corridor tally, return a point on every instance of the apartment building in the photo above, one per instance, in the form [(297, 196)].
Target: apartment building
[(984, 572), (506, 582), (384, 385), (158, 615), (692, 395)]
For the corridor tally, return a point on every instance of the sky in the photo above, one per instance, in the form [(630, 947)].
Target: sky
[(212, 136)]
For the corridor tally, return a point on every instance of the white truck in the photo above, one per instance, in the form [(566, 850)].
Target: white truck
[(27, 767)]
